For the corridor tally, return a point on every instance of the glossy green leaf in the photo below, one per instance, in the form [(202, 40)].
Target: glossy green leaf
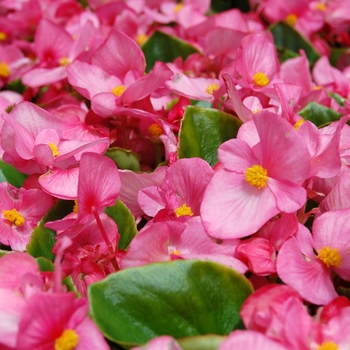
[(11, 175), (44, 264), (164, 47), (287, 37), (43, 239), (318, 114), (180, 298), (125, 222), (203, 130), (201, 342), (125, 159)]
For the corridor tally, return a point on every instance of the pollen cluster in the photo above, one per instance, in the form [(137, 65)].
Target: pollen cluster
[(261, 79), (256, 176), (330, 256), (183, 210), (13, 217), (67, 341)]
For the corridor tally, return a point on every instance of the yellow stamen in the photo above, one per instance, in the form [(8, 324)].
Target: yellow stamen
[(256, 111), (330, 256), (64, 61), (317, 87), (261, 79), (4, 70), (328, 345), (298, 124), (155, 130), (141, 39), (118, 90), (54, 149), (175, 252), (183, 210), (14, 217), (321, 7), (3, 36), (256, 176), (291, 19), (211, 88), (75, 207), (178, 7), (67, 341)]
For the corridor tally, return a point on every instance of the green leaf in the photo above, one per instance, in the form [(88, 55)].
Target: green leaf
[(125, 159), (203, 130), (44, 264), (180, 298), (318, 114), (11, 175), (201, 342), (125, 222), (164, 47), (286, 37), (224, 5), (43, 239)]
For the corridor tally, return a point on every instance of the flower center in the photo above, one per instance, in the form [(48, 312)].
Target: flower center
[(261, 79), (14, 217), (291, 19), (75, 207), (54, 149), (141, 38), (178, 7), (183, 210), (118, 90), (155, 130), (298, 124), (211, 88), (64, 61), (175, 252), (321, 7), (256, 176), (4, 70), (67, 341), (3, 36), (330, 256), (328, 345)]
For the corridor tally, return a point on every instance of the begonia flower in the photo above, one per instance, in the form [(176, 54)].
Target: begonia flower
[(269, 175)]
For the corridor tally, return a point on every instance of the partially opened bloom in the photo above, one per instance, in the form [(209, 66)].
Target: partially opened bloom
[(268, 175)]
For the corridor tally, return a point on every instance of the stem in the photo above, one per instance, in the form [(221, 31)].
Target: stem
[(106, 239)]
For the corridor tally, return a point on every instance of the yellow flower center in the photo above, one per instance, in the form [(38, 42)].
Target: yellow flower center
[(4, 70), (75, 207), (175, 252), (54, 149), (291, 19), (261, 79), (14, 217), (330, 256), (67, 341), (64, 61), (155, 130), (321, 7), (178, 7), (183, 210), (328, 345), (211, 88), (298, 124), (256, 176), (118, 90), (3, 36), (141, 38)]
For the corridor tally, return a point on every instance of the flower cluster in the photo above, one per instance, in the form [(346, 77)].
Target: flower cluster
[(143, 132)]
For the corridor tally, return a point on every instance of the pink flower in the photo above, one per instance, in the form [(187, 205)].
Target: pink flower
[(21, 210), (306, 260), (58, 321), (267, 175)]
